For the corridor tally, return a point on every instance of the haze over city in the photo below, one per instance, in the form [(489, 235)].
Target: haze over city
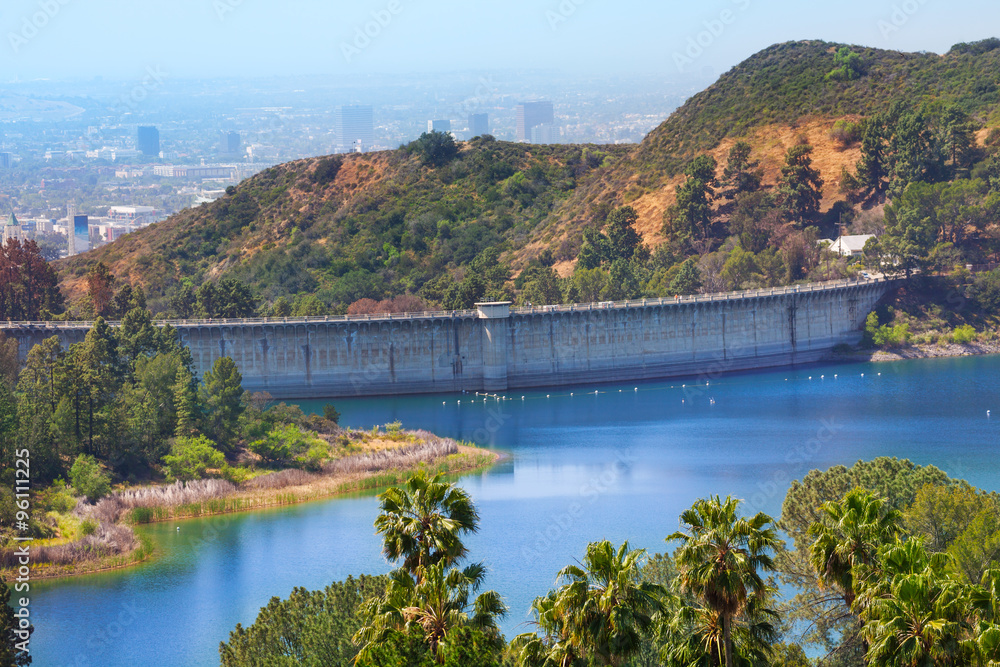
[(61, 39)]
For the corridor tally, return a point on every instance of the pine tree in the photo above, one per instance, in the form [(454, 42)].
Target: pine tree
[(185, 404), (801, 188), (222, 397), (688, 279)]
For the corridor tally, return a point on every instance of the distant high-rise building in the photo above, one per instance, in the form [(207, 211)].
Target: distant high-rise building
[(6, 160), (479, 124), (439, 126), (148, 140), (354, 128), (231, 143), (546, 133), (531, 114), (81, 234)]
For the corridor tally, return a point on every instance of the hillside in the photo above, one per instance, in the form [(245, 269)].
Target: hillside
[(353, 226), (775, 98), (390, 223)]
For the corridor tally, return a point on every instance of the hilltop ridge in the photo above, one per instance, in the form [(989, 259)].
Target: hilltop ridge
[(376, 225)]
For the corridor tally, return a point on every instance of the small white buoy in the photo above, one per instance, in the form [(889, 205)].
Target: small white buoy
[(987, 414), (178, 527), (595, 393), (636, 389), (444, 402), (834, 375), (570, 393), (683, 385), (547, 395), (880, 374), (821, 377), (810, 377), (862, 375), (522, 398), (619, 391), (460, 402)]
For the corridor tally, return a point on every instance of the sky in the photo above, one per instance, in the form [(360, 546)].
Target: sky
[(122, 39)]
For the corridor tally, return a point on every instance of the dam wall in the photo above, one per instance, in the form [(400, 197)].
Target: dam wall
[(497, 347)]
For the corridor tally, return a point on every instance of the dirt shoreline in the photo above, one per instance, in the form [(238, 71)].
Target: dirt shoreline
[(468, 459), (919, 351)]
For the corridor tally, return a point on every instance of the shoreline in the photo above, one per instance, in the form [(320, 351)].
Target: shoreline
[(466, 460), (919, 351)]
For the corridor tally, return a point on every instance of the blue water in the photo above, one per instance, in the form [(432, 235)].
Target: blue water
[(621, 465)]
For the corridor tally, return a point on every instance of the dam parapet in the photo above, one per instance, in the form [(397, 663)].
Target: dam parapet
[(497, 346)]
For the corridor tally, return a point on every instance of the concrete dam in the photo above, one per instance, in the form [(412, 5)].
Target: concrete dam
[(497, 347)]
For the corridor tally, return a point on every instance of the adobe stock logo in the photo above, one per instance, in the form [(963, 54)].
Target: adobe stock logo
[(32, 25), (900, 16), (714, 28), (363, 35)]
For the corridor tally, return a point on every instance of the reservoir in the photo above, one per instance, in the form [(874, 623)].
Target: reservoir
[(621, 464)]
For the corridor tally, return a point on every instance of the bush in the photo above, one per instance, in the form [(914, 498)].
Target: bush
[(315, 456), (326, 170), (234, 474), (885, 335), (57, 498), (394, 430), (88, 527), (964, 334), (88, 479), (283, 443), (190, 458), (435, 148), (847, 133)]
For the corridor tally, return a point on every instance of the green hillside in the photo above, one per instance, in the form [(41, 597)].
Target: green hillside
[(450, 224), (787, 82), (355, 226)]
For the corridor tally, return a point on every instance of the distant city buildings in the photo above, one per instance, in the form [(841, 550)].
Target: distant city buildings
[(12, 230), (439, 126), (148, 140), (479, 124), (546, 133), (355, 128), (131, 217), (6, 160), (80, 236), (223, 171), (231, 143), (532, 114)]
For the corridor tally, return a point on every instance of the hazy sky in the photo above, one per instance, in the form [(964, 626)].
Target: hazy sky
[(206, 38)]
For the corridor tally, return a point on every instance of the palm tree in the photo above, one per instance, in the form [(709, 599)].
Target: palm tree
[(600, 612), (848, 537), (693, 635), (436, 603), (555, 647), (918, 612), (423, 521), (721, 558)]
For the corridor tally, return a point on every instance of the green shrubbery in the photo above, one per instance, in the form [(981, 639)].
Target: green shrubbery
[(885, 335), (964, 334), (190, 458), (285, 443), (88, 479)]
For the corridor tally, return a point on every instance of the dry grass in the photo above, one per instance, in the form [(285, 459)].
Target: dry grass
[(114, 544), (112, 508)]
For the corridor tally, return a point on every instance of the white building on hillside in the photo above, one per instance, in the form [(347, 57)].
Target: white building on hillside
[(850, 246)]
